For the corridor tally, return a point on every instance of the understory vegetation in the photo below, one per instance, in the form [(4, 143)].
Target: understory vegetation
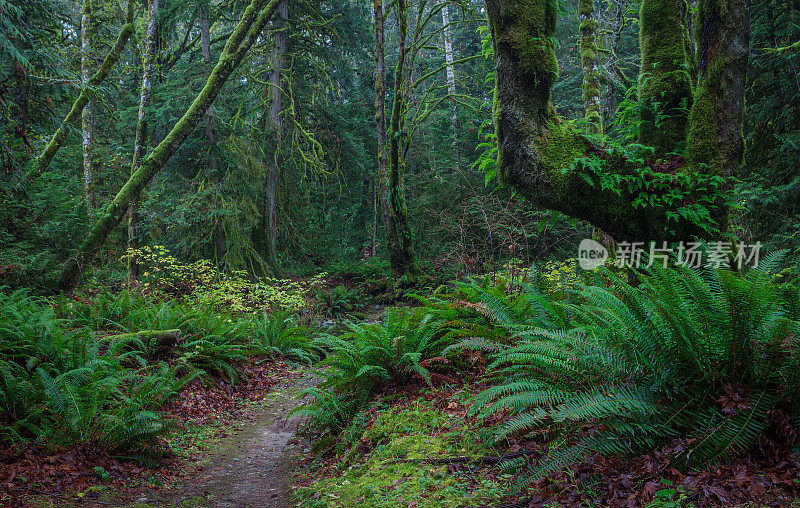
[(448, 253)]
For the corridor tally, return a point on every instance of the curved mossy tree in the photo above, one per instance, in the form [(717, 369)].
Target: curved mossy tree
[(660, 195)]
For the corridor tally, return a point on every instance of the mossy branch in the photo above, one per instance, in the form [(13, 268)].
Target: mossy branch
[(537, 149), (56, 141), (253, 22)]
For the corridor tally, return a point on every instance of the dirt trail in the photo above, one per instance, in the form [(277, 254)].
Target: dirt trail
[(251, 466)]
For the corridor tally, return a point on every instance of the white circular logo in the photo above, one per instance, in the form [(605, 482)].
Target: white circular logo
[(591, 254)]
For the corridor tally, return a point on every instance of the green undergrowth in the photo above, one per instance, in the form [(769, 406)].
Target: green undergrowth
[(100, 368), (385, 467)]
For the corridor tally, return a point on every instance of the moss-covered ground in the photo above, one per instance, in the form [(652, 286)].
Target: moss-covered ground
[(398, 461)]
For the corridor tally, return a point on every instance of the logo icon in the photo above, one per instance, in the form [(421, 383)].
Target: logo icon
[(591, 254)]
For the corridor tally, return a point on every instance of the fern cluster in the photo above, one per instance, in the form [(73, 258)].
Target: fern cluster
[(710, 357), (211, 340), (368, 358), (278, 334), (61, 385)]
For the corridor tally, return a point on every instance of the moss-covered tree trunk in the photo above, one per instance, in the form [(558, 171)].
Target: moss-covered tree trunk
[(715, 138), (140, 143), (399, 237), (253, 21), (591, 71), (535, 147), (665, 85), (46, 157), (380, 120)]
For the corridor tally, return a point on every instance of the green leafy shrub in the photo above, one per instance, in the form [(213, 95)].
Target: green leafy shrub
[(202, 285), (712, 358)]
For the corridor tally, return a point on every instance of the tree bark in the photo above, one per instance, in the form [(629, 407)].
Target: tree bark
[(218, 234), (87, 116), (380, 110), (591, 72), (242, 38), (399, 237), (535, 146), (140, 143), (46, 157), (715, 123), (665, 85), (451, 81), (276, 108)]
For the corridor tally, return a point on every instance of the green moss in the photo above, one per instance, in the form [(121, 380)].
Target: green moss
[(560, 146), (711, 111), (591, 74), (665, 84), (390, 477), (702, 144), (528, 31)]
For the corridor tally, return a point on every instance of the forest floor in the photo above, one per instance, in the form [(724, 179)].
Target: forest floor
[(235, 446), (252, 465)]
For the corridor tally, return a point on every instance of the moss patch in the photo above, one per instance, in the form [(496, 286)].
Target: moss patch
[(391, 475), (665, 84), (559, 148)]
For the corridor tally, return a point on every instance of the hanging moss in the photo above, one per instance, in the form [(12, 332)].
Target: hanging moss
[(665, 87)]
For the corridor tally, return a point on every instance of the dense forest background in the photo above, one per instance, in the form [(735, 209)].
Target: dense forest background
[(212, 198), (328, 251)]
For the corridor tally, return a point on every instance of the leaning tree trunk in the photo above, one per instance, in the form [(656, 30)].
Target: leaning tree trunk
[(535, 147), (451, 81), (56, 141), (87, 116), (218, 234), (253, 21), (591, 72), (399, 237), (277, 84), (140, 143)]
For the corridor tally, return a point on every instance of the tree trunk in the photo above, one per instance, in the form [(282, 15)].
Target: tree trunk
[(615, 78), (380, 112), (398, 232), (715, 122), (277, 85), (218, 235), (46, 157), (140, 143), (241, 39), (451, 82), (665, 86), (591, 73), (87, 116), (535, 147)]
